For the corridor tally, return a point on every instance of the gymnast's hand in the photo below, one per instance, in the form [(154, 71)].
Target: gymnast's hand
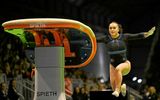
[(150, 32)]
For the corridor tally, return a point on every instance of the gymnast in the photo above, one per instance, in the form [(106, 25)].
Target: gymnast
[(117, 49)]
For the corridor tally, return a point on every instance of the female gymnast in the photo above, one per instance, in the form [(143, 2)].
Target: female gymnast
[(119, 64)]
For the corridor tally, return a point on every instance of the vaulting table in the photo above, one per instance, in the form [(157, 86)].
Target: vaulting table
[(56, 44)]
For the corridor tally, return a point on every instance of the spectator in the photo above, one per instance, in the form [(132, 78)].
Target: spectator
[(12, 92), (151, 94), (3, 91), (76, 93), (84, 95), (3, 77), (7, 70), (68, 88), (102, 87)]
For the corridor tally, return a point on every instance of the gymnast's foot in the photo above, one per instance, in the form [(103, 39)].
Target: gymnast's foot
[(123, 90), (115, 93)]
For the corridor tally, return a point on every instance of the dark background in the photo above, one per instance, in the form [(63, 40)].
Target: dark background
[(134, 15)]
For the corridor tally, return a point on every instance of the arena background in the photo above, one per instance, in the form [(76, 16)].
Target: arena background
[(134, 15)]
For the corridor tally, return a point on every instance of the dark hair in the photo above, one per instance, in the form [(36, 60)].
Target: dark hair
[(11, 83), (119, 26)]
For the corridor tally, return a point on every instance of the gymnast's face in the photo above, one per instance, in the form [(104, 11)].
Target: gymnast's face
[(113, 29)]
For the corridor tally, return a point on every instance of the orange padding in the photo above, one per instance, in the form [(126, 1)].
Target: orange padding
[(66, 44), (56, 23)]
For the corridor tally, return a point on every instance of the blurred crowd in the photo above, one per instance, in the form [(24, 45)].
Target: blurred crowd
[(14, 66), (78, 85), (149, 92)]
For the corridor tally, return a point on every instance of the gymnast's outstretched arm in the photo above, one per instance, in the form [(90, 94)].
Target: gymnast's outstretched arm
[(141, 35), (150, 32)]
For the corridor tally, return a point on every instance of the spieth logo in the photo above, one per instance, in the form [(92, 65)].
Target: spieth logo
[(37, 25), (47, 93)]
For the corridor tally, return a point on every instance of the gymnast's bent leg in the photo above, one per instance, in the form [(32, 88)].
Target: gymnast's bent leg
[(116, 77)]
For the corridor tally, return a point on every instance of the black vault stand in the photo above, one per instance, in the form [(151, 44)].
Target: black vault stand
[(105, 95)]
